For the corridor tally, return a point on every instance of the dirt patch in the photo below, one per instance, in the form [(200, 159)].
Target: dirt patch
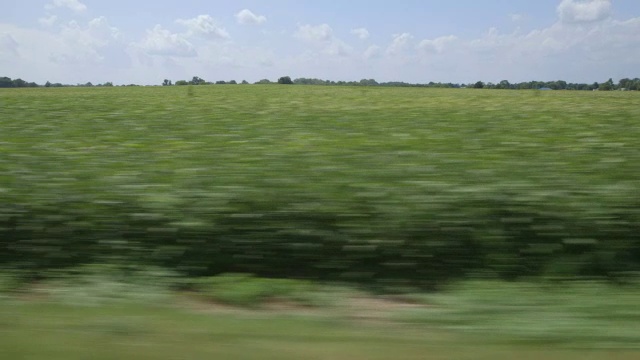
[(360, 307), (377, 308)]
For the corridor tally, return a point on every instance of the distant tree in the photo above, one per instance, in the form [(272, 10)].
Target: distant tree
[(166, 82), (244, 82), (285, 80), (611, 84), (504, 84), (478, 85), (308, 81), (368, 82), (182, 82), (624, 83), (5, 82), (232, 82), (108, 84), (47, 84), (19, 83), (607, 85), (263, 81), (197, 81), (220, 82)]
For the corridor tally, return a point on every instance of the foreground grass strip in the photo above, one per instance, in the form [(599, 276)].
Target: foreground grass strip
[(574, 314), (49, 331)]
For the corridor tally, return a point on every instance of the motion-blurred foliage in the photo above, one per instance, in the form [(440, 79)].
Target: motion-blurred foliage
[(383, 185)]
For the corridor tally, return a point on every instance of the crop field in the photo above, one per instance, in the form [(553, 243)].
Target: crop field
[(148, 195), (384, 184), (322, 142)]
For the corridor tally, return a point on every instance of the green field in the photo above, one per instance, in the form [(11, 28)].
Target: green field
[(369, 184), (132, 201), (473, 320)]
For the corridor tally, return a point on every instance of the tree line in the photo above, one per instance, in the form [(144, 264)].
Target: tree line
[(622, 84)]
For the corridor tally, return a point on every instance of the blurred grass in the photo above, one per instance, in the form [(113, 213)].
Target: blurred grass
[(120, 140), (579, 314), (366, 184), (251, 291), (469, 320)]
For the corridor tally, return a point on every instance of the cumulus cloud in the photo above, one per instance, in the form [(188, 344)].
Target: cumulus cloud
[(372, 51), (321, 36), (361, 33), (73, 5), (97, 33), (516, 17), (48, 21), (246, 17), (204, 26), (96, 42), (337, 48), (159, 41), (436, 45), (399, 43), (315, 33), (580, 11), (8, 44)]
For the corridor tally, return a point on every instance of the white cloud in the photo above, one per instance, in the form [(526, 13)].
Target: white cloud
[(8, 45), (205, 26), (94, 43), (159, 41), (73, 5), (315, 33), (48, 21), (579, 11), (372, 51), (246, 17), (337, 48), (516, 17), (321, 37), (437, 45), (97, 34), (399, 43), (361, 33)]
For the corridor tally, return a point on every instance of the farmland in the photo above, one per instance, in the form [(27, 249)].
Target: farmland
[(349, 205), (362, 184)]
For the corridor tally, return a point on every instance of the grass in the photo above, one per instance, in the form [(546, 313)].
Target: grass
[(250, 291), (580, 314), (327, 142), (471, 320), (235, 167), (354, 169)]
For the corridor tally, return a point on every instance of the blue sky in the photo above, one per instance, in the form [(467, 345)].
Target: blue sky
[(76, 41)]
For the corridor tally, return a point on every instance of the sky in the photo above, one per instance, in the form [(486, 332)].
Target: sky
[(417, 41)]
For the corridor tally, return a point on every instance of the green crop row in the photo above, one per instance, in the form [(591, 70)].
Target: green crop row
[(364, 184)]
